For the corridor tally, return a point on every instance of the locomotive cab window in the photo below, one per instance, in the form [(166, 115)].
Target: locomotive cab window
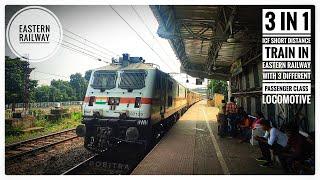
[(132, 80), (104, 80)]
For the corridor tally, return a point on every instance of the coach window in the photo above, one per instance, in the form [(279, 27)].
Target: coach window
[(170, 86), (158, 80), (169, 101), (178, 90)]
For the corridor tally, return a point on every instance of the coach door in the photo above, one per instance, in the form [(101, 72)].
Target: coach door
[(163, 93)]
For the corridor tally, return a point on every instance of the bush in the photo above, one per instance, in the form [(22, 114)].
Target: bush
[(13, 131), (15, 134), (76, 115)]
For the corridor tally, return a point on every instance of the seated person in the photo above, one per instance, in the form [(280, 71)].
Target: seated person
[(309, 162), (245, 128), (273, 139), (223, 123), (240, 114), (259, 117), (223, 104), (239, 117), (295, 150)]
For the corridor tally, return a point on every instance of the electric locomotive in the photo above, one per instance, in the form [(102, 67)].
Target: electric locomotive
[(127, 101)]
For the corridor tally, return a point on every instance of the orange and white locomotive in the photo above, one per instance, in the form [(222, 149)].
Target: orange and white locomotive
[(127, 102)]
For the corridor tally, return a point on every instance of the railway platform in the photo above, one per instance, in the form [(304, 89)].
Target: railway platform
[(192, 146)]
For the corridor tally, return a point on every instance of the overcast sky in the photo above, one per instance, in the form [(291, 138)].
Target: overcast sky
[(101, 25)]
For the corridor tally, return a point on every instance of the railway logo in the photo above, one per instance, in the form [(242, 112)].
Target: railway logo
[(34, 33)]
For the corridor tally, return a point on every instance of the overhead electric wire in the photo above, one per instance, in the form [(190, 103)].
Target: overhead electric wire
[(110, 51), (149, 30), (84, 49), (84, 52), (79, 51), (140, 37), (86, 44)]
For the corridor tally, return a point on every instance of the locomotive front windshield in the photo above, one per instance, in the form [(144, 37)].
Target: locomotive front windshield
[(104, 80), (132, 79)]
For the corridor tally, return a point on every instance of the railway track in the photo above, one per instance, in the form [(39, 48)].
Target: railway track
[(117, 162), (35, 145), (113, 163)]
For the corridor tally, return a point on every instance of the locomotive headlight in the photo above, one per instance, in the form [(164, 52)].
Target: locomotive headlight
[(132, 134)]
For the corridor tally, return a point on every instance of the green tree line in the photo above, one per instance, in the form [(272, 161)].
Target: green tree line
[(58, 90), (218, 86)]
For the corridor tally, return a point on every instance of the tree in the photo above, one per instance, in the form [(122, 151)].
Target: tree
[(218, 86), (32, 87), (15, 80), (87, 75), (66, 90), (54, 94), (58, 90), (79, 84), (41, 94)]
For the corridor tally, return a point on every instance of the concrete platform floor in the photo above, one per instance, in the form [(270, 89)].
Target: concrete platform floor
[(192, 146)]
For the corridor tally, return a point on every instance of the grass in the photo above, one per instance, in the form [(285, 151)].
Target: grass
[(49, 127)]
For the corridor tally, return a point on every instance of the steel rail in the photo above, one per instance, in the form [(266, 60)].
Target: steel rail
[(75, 169), (30, 142)]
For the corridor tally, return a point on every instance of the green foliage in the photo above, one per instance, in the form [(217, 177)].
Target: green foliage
[(49, 127), (76, 115), (218, 86), (15, 71), (13, 131), (41, 94), (79, 84), (88, 75), (38, 114), (57, 91), (61, 91)]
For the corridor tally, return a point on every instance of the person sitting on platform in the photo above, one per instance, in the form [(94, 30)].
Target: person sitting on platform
[(273, 139), (223, 104), (295, 151), (245, 128), (222, 122), (231, 112), (241, 113), (239, 119), (259, 117)]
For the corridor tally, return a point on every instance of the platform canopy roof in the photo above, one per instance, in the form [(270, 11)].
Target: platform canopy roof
[(208, 39)]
